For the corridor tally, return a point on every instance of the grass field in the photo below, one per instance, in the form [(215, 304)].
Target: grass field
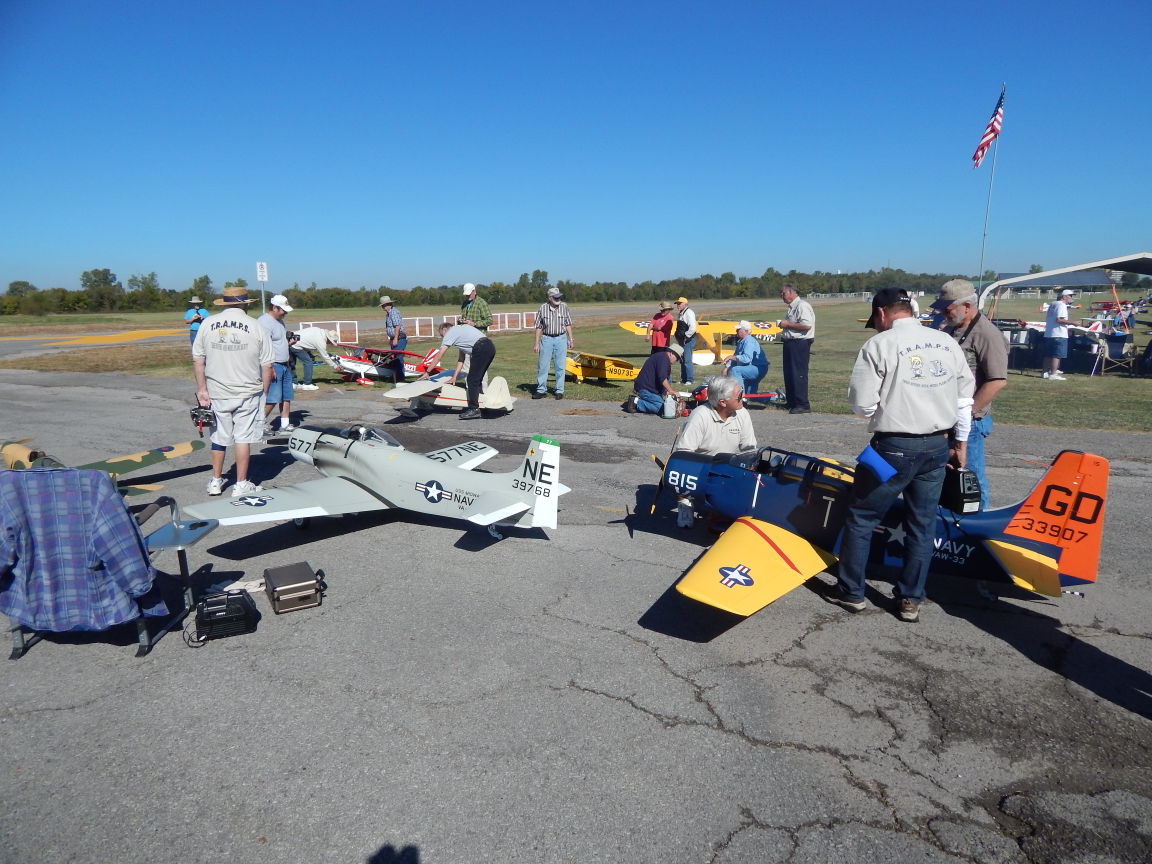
[(1105, 402)]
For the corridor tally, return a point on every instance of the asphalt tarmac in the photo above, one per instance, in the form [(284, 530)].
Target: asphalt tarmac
[(547, 697)]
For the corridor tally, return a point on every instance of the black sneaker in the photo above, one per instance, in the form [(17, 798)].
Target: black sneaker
[(908, 610), (834, 595), (559, 395), (539, 395), (470, 414)]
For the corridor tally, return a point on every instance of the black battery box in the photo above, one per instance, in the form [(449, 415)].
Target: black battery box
[(961, 491), (294, 586), (229, 613)]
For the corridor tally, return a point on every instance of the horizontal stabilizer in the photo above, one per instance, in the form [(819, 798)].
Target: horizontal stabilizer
[(752, 564), (495, 507), (466, 456), (1028, 569), (327, 496)]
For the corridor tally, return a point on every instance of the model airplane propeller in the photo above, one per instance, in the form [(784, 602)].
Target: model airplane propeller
[(789, 510), (367, 469)]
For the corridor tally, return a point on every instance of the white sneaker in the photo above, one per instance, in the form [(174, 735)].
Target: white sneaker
[(215, 485), (1056, 376), (286, 427), (245, 487), (307, 387), (1045, 375)]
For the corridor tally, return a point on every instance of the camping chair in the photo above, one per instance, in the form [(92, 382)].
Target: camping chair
[(1115, 351), (73, 557)]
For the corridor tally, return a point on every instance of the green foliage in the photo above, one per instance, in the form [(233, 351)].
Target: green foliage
[(20, 288)]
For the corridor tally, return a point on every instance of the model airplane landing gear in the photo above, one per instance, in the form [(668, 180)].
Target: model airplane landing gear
[(302, 522), (496, 534)]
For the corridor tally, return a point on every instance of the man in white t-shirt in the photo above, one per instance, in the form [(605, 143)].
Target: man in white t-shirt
[(232, 359), (1056, 335)]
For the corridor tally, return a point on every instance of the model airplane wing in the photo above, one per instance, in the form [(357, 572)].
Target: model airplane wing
[(464, 456), (752, 564), (124, 464), (326, 496), (413, 389)]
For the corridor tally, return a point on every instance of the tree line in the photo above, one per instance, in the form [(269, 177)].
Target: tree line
[(101, 291)]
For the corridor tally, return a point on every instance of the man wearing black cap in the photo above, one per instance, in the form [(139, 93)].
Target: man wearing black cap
[(914, 386)]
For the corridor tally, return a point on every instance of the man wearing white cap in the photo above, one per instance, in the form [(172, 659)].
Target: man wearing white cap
[(553, 339), (747, 361), (475, 310), (280, 390), (194, 316), (1056, 335)]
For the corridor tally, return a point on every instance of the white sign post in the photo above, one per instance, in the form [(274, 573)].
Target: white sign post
[(262, 278)]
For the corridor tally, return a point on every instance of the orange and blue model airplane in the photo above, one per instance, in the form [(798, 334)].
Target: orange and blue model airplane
[(789, 510)]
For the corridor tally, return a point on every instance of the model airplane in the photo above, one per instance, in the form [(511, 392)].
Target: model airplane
[(422, 396), (367, 469), (17, 455), (790, 509), (710, 336), (364, 364), (581, 365)]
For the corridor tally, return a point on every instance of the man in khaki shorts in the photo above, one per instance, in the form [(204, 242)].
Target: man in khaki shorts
[(232, 358)]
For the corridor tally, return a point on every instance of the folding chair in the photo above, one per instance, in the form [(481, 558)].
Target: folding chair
[(1115, 351), (73, 557)]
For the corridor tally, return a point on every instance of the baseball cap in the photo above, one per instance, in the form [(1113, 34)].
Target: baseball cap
[(885, 297), (744, 325), (281, 301), (468, 288), (681, 299), (954, 291), (555, 292), (1067, 292)]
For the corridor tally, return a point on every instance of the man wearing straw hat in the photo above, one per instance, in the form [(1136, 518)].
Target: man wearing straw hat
[(232, 358)]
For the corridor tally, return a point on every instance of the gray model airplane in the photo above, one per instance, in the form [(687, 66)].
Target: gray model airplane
[(367, 469)]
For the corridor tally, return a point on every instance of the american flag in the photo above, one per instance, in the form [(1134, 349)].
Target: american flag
[(990, 133)]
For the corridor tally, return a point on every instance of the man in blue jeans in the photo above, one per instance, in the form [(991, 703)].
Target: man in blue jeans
[(553, 339), (986, 350), (652, 383), (914, 386)]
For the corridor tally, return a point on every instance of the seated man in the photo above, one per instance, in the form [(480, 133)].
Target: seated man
[(652, 384), (748, 361), (723, 425)]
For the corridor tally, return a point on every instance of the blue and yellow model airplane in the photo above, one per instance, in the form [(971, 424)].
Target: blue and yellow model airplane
[(789, 511)]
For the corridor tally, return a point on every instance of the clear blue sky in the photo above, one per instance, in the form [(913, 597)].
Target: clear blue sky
[(405, 143)]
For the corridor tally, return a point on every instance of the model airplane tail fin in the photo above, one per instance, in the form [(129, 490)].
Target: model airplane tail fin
[(1066, 510), (539, 476)]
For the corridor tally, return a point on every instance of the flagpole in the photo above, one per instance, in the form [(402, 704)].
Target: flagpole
[(988, 203)]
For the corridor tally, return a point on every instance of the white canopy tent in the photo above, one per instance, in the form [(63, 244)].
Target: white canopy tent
[(1140, 262)]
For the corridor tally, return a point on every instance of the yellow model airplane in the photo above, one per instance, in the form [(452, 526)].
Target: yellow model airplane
[(581, 365), (17, 456), (710, 334)]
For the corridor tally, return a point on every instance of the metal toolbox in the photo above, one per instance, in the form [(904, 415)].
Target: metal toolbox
[(294, 586)]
